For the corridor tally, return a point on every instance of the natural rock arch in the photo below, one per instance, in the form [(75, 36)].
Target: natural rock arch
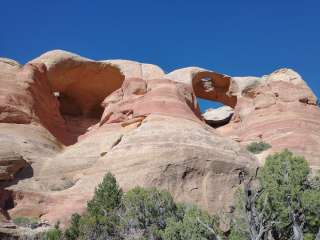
[(210, 86), (206, 84), (213, 86)]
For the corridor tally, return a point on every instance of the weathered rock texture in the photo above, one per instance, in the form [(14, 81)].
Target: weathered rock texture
[(66, 120)]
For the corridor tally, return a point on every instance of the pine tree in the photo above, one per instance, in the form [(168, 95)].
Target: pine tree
[(106, 198)]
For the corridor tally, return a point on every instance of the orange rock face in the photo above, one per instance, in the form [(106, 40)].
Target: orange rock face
[(68, 120)]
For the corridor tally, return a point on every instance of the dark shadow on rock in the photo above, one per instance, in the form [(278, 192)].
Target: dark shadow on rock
[(219, 123), (6, 203), (26, 172)]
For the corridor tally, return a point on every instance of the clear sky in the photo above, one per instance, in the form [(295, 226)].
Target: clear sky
[(248, 37)]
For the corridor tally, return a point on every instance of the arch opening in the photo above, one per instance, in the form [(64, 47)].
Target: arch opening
[(215, 102), (213, 86), (215, 114)]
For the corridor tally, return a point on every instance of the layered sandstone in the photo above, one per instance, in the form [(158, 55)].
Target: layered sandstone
[(279, 109), (66, 120)]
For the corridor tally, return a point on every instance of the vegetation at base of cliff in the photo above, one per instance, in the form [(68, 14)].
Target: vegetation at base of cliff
[(284, 203), (26, 222), (141, 213), (258, 147), (281, 202), (54, 234)]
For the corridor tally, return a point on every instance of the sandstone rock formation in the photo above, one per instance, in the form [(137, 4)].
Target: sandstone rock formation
[(66, 120), (279, 109)]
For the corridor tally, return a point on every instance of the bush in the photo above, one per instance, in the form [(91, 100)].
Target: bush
[(146, 207), (99, 227), (101, 220), (73, 232), (310, 202), (287, 201), (54, 234), (141, 213), (258, 147), (107, 196), (240, 229), (195, 224), (26, 221), (282, 178)]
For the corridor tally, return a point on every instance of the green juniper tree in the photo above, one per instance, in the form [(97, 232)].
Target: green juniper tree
[(106, 198), (194, 224), (286, 204), (140, 214), (101, 219)]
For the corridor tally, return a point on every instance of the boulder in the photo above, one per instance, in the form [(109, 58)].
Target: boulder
[(219, 116)]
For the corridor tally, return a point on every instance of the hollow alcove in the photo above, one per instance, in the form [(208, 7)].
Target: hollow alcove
[(80, 88), (76, 119)]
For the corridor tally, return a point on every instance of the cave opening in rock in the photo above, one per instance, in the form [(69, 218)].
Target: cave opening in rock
[(79, 87), (214, 113), (77, 119)]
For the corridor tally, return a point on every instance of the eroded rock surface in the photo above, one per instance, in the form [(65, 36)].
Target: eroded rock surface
[(66, 120)]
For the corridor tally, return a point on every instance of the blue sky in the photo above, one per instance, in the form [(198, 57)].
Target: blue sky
[(232, 37)]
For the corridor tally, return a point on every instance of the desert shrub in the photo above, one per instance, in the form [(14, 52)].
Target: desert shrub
[(99, 227), (310, 203), (26, 221), (107, 196), (237, 234), (147, 207), (282, 178), (285, 201), (240, 229), (73, 232), (141, 213), (101, 220), (195, 224), (258, 147), (54, 234)]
